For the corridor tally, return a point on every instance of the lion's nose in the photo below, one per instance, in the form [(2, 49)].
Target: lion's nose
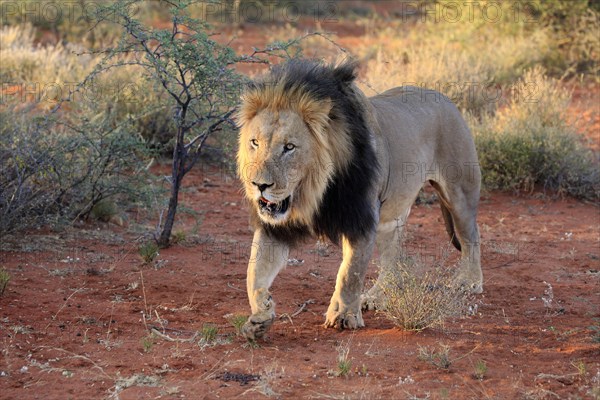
[(262, 186)]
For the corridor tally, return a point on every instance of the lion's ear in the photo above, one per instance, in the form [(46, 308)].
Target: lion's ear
[(315, 112), (346, 71), (250, 105)]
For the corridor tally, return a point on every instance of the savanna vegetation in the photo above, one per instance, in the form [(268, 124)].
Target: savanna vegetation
[(85, 114)]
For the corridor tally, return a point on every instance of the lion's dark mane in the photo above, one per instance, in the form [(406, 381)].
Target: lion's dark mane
[(346, 208)]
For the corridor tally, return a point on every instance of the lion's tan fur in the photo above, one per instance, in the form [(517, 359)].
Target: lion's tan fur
[(407, 136)]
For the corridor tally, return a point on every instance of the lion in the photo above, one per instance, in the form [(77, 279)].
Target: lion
[(318, 158)]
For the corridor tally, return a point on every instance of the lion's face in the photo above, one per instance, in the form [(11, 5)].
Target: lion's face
[(280, 165)]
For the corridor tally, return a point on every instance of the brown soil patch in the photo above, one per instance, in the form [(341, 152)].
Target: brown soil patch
[(75, 320)]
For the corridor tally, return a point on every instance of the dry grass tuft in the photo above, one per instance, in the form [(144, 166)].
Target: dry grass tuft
[(438, 358), (4, 279), (417, 301)]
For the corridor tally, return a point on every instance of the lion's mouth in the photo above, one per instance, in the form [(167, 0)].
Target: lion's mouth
[(272, 208)]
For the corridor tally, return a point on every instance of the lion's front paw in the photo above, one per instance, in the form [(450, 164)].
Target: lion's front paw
[(343, 317), (258, 324)]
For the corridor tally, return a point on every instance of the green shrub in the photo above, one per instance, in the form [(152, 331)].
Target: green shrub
[(104, 210), (147, 342), (237, 321), (148, 251), (480, 370), (209, 333), (194, 74), (344, 365), (529, 144), (178, 237)]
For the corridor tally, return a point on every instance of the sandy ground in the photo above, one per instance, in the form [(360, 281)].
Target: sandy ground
[(76, 320)]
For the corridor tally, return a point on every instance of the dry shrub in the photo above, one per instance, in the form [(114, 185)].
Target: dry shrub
[(438, 358), (55, 172), (66, 148), (416, 298)]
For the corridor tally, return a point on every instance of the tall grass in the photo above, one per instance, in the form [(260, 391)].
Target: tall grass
[(496, 73), (465, 59), (23, 61), (560, 36)]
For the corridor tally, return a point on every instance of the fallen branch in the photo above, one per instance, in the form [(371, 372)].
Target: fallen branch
[(229, 285), (303, 306), (298, 311), (168, 338), (80, 357), (567, 379)]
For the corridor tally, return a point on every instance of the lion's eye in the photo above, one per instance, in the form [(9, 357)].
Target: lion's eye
[(289, 147), (254, 143)]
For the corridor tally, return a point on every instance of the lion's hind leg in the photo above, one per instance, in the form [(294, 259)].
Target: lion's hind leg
[(461, 201)]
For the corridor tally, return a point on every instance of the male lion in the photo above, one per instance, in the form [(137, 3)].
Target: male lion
[(317, 157)]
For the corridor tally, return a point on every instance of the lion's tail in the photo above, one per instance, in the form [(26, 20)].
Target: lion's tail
[(450, 225)]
